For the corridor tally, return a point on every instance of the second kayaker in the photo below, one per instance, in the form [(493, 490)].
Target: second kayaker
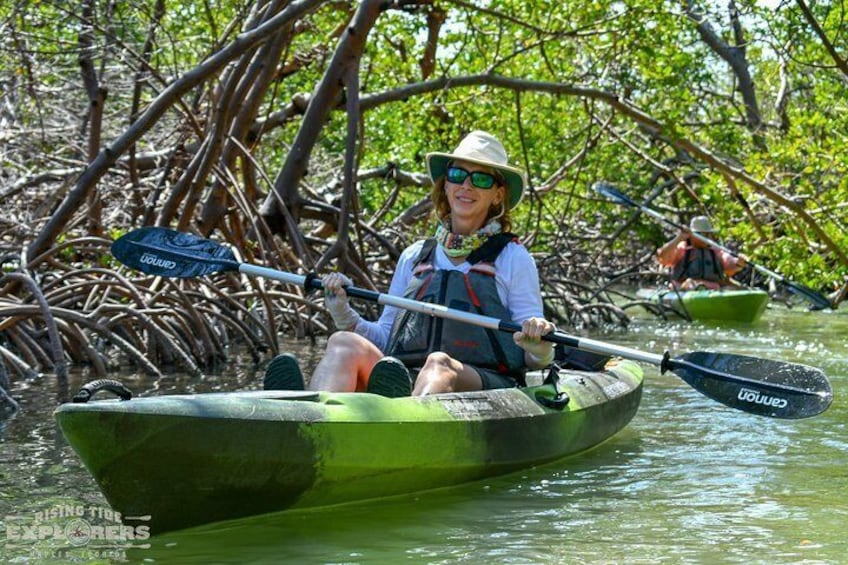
[(472, 263), (695, 263)]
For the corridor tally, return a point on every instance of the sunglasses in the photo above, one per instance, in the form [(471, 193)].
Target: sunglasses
[(479, 179)]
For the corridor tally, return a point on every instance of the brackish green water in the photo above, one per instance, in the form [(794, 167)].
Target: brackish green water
[(689, 481)]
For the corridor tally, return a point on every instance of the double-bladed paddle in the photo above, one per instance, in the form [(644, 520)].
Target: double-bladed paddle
[(817, 300), (759, 386)]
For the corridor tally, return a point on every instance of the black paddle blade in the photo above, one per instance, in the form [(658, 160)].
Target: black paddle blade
[(817, 300), (169, 253), (611, 192), (760, 386)]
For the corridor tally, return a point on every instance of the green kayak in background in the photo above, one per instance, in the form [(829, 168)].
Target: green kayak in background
[(184, 460), (736, 305)]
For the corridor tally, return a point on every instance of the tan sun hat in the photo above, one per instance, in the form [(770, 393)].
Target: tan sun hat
[(481, 148), (701, 224)]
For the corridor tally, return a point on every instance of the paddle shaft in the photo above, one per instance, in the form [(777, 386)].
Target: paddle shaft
[(153, 256), (441, 311)]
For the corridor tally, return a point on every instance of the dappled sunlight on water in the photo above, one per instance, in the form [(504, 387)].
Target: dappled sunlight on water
[(688, 481)]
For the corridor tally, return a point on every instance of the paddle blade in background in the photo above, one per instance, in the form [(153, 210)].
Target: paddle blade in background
[(759, 386), (611, 192), (169, 253), (817, 300)]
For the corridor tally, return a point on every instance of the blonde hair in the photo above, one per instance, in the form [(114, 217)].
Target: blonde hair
[(441, 206)]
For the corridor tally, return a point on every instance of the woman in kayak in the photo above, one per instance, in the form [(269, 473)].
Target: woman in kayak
[(695, 263), (473, 264)]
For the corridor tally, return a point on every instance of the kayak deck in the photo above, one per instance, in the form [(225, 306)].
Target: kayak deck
[(736, 305), (186, 460)]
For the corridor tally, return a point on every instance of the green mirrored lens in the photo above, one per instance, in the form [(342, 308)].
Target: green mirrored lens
[(479, 179), (482, 180), (457, 175)]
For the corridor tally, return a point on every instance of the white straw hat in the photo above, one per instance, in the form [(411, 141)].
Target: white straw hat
[(481, 148), (701, 224)]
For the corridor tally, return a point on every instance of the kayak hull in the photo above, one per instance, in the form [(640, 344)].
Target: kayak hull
[(742, 305), (186, 460)]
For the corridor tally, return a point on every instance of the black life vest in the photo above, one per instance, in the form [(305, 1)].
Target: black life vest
[(701, 263), (415, 335)]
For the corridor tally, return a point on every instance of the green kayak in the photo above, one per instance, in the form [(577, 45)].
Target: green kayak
[(185, 460), (736, 305)]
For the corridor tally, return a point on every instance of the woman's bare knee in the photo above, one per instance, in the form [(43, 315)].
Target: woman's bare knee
[(441, 361), (347, 343), (346, 364), (443, 373)]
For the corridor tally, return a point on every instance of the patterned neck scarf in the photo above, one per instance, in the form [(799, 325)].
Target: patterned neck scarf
[(459, 245)]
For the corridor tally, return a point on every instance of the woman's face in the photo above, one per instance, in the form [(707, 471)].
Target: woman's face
[(470, 205)]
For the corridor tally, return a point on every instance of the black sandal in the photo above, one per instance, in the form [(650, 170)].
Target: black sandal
[(283, 373), (390, 378)]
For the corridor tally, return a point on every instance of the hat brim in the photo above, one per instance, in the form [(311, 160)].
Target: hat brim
[(437, 167)]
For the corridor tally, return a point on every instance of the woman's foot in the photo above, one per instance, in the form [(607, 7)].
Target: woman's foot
[(283, 373), (390, 377)]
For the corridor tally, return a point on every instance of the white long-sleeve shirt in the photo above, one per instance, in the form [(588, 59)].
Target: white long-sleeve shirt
[(516, 278)]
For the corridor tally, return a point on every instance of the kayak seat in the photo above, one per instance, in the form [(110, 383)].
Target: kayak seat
[(577, 359)]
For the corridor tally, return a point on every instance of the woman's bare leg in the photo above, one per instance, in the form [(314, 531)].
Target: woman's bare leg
[(443, 373), (346, 364)]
